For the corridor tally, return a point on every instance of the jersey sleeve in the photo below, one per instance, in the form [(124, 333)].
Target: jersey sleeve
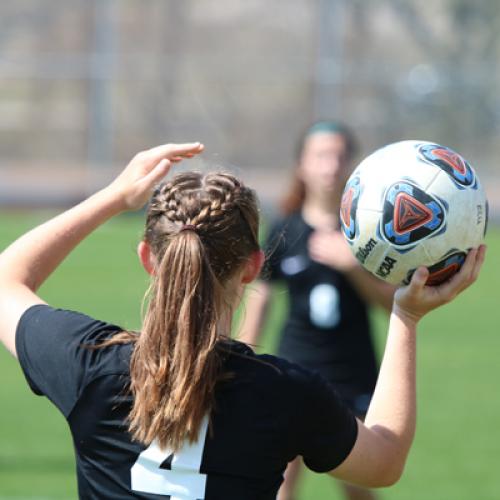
[(327, 428), (53, 351), (274, 248)]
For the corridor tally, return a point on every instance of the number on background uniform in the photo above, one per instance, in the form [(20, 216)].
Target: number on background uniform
[(180, 478), (324, 306)]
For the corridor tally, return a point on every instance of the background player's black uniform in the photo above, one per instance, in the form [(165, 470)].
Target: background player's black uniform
[(327, 327), (269, 412)]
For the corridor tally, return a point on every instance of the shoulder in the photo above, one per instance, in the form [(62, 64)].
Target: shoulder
[(44, 324), (271, 372), (286, 234), (59, 352), (286, 223), (50, 336)]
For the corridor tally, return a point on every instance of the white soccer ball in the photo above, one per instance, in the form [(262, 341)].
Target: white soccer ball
[(411, 204)]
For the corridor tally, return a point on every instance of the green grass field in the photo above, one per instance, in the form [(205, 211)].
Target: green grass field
[(455, 454)]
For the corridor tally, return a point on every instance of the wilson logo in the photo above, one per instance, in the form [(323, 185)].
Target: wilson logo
[(363, 253)]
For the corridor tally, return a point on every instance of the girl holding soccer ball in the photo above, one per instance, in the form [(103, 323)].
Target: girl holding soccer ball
[(179, 409), (327, 328)]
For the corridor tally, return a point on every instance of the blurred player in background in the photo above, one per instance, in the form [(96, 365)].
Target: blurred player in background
[(327, 328), (180, 410)]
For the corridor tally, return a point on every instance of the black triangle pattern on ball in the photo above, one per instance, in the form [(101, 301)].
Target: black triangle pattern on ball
[(442, 270), (410, 215), (450, 162), (345, 211), (349, 207)]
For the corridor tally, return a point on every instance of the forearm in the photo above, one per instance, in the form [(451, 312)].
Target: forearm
[(392, 412), (383, 442), (31, 259), (371, 289)]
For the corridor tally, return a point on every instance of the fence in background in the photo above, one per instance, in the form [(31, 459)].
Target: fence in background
[(86, 83)]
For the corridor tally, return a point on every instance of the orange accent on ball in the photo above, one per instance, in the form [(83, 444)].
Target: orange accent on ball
[(410, 214)]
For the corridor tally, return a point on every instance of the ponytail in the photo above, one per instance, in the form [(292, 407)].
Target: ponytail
[(201, 230), (175, 364)]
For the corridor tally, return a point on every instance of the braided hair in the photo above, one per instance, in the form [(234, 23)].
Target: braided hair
[(176, 361)]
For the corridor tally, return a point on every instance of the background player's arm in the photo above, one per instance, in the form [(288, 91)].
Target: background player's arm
[(254, 312), (372, 289), (30, 260), (379, 454), (331, 249)]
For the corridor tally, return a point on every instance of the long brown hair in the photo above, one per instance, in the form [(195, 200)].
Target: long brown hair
[(295, 196), (201, 229)]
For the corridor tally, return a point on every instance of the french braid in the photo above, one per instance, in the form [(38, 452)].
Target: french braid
[(175, 364)]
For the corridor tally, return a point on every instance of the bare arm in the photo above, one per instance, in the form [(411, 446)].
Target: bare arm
[(330, 248), (31, 259), (254, 312), (384, 440), (372, 289)]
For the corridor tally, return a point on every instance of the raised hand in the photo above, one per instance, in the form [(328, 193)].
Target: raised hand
[(330, 248), (415, 300), (133, 187)]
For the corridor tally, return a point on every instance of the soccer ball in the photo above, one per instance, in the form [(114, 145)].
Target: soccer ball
[(411, 204)]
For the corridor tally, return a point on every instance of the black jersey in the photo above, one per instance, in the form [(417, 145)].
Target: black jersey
[(267, 413), (327, 326)]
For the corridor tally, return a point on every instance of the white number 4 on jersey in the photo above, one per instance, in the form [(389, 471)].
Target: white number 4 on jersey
[(183, 481)]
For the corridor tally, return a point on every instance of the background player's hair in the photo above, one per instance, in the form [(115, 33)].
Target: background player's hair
[(176, 360), (294, 198)]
